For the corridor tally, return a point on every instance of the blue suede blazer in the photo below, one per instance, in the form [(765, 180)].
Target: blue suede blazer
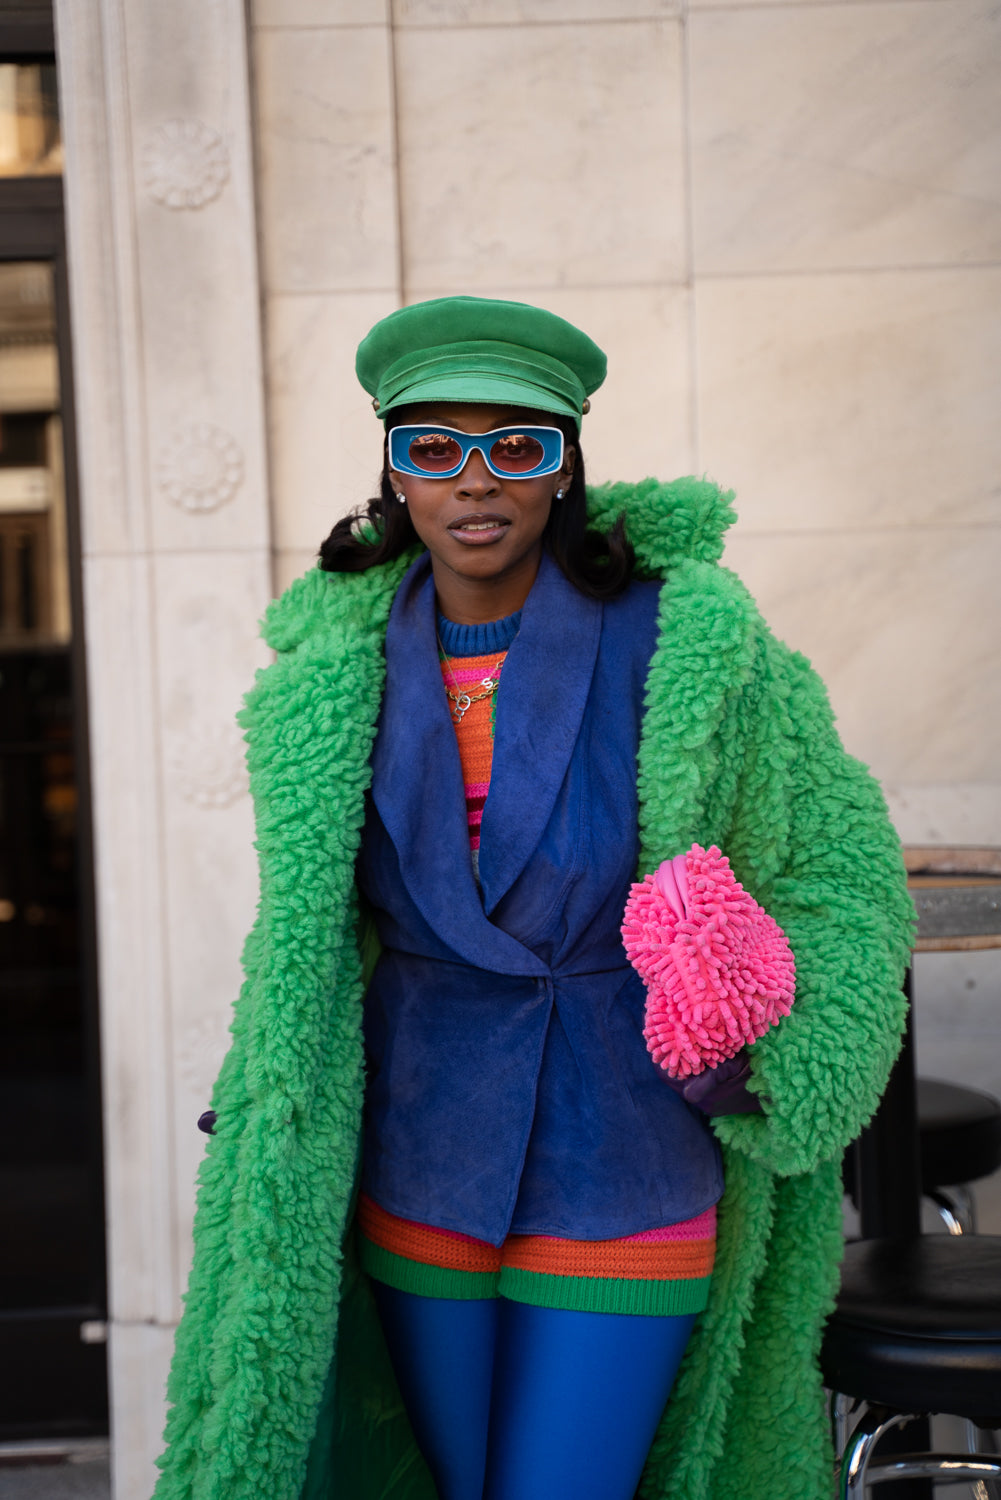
[(509, 1087)]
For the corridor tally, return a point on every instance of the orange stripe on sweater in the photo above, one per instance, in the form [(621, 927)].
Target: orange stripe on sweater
[(474, 732), (430, 1247), (668, 1260), (635, 1258)]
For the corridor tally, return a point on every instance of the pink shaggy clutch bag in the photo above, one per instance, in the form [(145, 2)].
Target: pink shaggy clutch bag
[(718, 969)]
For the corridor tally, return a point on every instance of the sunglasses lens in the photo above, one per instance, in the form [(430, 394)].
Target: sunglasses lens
[(434, 452), (517, 453)]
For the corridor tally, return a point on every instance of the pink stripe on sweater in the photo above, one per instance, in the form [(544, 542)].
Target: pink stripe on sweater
[(464, 674), (701, 1228)]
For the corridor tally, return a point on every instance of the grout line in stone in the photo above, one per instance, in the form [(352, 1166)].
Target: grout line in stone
[(743, 8), (400, 290), (665, 284), (802, 272), (530, 23), (742, 532), (462, 26), (694, 433)]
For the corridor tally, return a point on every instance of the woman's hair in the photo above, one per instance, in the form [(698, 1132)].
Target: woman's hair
[(598, 564)]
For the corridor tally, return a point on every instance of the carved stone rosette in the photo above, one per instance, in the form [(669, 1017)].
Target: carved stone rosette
[(200, 469), (185, 164), (200, 1049), (209, 766)]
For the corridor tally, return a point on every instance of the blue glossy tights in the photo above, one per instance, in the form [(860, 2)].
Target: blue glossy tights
[(510, 1402)]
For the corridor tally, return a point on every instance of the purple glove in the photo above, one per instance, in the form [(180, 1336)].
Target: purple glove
[(721, 1090)]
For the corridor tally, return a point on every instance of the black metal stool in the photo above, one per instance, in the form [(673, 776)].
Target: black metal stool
[(959, 1131), (959, 1135), (917, 1330)]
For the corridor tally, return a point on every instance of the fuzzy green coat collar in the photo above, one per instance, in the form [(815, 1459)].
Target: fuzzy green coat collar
[(738, 748)]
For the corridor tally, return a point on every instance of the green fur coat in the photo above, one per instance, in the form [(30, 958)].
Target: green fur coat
[(280, 1386)]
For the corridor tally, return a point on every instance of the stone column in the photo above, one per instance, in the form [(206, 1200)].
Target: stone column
[(165, 310)]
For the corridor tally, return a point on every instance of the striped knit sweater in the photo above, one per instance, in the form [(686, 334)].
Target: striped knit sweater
[(469, 654)]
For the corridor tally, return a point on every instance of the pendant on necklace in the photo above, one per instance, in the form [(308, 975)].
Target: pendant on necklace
[(462, 704)]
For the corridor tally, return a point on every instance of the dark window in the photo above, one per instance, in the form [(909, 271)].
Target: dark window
[(52, 1280)]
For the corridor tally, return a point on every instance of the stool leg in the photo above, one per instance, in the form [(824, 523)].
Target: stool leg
[(855, 1460), (955, 1208), (946, 1211), (982, 1440), (840, 1408), (965, 1206)]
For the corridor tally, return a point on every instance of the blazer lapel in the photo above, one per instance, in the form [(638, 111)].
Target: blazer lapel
[(544, 688), (418, 790)]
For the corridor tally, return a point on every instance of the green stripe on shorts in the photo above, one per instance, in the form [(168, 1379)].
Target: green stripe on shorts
[(424, 1281), (606, 1294)]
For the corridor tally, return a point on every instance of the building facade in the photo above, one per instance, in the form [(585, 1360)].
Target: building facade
[(781, 220)]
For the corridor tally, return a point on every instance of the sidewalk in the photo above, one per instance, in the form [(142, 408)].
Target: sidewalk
[(84, 1475)]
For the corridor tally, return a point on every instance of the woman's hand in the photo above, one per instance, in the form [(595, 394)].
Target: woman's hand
[(720, 1091)]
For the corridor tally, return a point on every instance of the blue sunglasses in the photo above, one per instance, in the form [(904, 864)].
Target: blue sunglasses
[(509, 452)]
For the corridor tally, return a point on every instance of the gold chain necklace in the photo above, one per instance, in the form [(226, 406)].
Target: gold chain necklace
[(463, 702)]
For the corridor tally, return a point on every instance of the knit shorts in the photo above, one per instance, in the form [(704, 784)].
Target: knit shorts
[(659, 1273)]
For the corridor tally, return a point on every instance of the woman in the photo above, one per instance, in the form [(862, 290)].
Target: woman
[(535, 1207)]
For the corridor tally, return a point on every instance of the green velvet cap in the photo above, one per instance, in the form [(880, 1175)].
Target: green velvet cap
[(479, 349)]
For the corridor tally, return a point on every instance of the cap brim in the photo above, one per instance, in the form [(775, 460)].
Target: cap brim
[(492, 390)]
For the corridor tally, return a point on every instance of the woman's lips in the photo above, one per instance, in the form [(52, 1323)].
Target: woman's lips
[(477, 530)]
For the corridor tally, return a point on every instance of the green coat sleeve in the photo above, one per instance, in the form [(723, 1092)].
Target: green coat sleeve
[(812, 835)]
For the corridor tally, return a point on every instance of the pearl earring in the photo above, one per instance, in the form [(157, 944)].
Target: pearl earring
[(401, 497), (559, 494)]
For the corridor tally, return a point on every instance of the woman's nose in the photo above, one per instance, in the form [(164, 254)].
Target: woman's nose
[(475, 479)]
